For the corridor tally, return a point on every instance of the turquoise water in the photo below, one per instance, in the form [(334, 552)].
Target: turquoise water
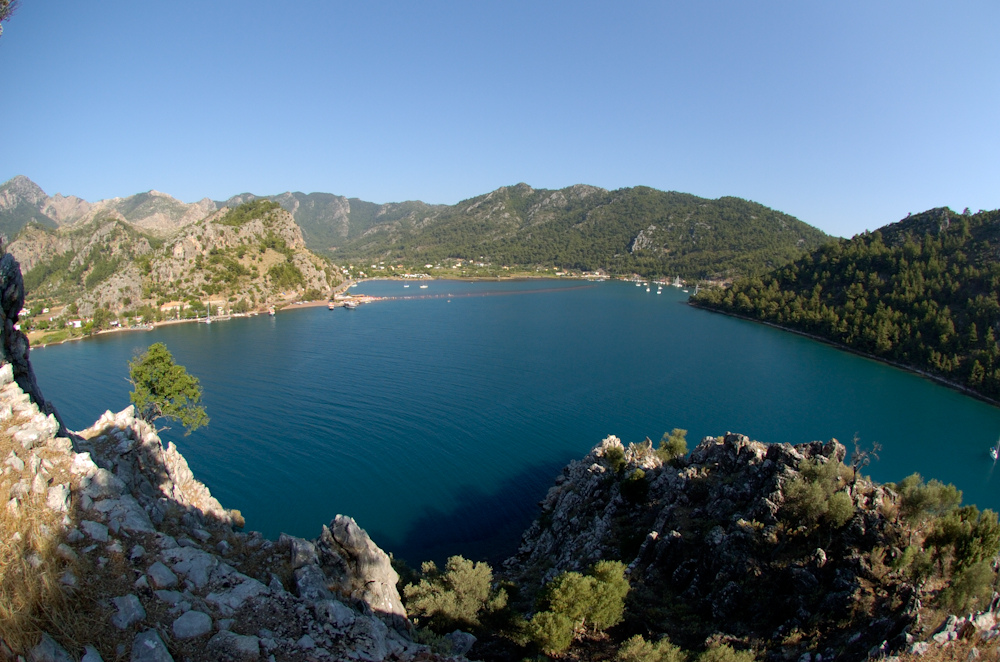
[(439, 418)]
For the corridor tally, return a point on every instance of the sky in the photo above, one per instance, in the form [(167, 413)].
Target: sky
[(848, 115)]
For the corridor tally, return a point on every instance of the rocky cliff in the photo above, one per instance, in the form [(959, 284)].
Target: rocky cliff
[(718, 553), (111, 549)]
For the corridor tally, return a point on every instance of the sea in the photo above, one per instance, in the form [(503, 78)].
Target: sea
[(439, 416)]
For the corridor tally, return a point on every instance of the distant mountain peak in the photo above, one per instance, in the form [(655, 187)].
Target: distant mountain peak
[(19, 190)]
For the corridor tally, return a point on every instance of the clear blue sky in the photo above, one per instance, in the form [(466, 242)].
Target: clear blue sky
[(845, 114)]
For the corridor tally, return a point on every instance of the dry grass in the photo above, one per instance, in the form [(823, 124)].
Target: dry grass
[(31, 597)]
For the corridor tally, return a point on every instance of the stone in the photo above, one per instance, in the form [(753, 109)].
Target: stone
[(39, 485), (125, 513), (14, 462), (68, 579), (170, 597), (311, 584), (334, 612), (462, 642), (229, 601), (161, 576), (191, 562), (48, 650), (201, 534), (82, 464), (192, 624), (369, 639), (101, 484), (130, 611), (58, 498), (29, 437), (228, 645), (137, 552), (94, 530), (148, 647), (90, 654), (66, 553), (306, 642)]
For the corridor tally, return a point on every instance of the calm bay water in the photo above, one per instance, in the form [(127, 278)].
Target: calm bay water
[(439, 418)]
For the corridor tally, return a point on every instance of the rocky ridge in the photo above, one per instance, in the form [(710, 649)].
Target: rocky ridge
[(707, 545), (154, 568)]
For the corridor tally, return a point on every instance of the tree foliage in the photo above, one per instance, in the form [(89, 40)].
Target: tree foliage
[(163, 389), (455, 598), (574, 603), (248, 211), (924, 292), (816, 495)]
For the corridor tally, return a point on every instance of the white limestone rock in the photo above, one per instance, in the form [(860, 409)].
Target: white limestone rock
[(48, 650), (192, 624), (130, 611), (161, 576), (95, 530), (148, 647), (58, 498)]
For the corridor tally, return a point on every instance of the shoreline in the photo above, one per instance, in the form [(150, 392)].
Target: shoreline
[(290, 304), (955, 386)]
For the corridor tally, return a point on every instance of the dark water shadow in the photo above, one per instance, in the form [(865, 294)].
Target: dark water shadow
[(485, 527)]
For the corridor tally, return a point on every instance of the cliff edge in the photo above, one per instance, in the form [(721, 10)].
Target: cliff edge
[(111, 549)]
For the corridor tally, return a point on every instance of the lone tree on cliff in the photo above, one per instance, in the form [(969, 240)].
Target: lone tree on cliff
[(163, 389)]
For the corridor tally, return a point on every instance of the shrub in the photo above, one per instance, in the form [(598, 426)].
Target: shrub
[(638, 649), (247, 212), (553, 633), (725, 653), (840, 509), (918, 501), (615, 458), (815, 495), (576, 601), (673, 445), (456, 597), (969, 588)]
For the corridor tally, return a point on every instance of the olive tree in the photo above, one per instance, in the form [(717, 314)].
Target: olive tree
[(163, 389)]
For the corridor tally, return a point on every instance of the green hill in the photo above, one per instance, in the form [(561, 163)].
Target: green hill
[(643, 230), (922, 292)]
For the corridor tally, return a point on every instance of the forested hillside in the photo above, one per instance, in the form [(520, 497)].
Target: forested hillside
[(643, 230), (922, 292)]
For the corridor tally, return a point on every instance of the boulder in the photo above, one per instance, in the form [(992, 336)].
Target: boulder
[(148, 647), (192, 624), (130, 611)]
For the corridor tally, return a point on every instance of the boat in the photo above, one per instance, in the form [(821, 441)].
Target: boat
[(350, 305), (208, 316), (406, 286), (270, 311), (423, 287), (647, 289), (331, 305), (994, 453)]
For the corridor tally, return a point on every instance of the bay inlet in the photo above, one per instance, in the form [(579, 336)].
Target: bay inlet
[(439, 417)]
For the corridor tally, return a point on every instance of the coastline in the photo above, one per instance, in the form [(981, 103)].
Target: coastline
[(955, 386), (292, 304)]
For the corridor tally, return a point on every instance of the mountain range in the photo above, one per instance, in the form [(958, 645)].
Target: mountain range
[(639, 229)]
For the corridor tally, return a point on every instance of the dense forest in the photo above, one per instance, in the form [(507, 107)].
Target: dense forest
[(922, 292), (633, 230)]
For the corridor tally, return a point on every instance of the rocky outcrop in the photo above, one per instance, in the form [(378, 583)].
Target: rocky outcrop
[(14, 344), (156, 568), (707, 545)]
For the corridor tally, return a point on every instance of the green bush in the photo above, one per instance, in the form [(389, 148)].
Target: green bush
[(840, 509), (970, 588), (615, 457), (638, 649), (285, 276), (553, 633), (673, 445), (577, 601), (725, 653), (816, 494), (247, 212), (919, 501), (455, 598)]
